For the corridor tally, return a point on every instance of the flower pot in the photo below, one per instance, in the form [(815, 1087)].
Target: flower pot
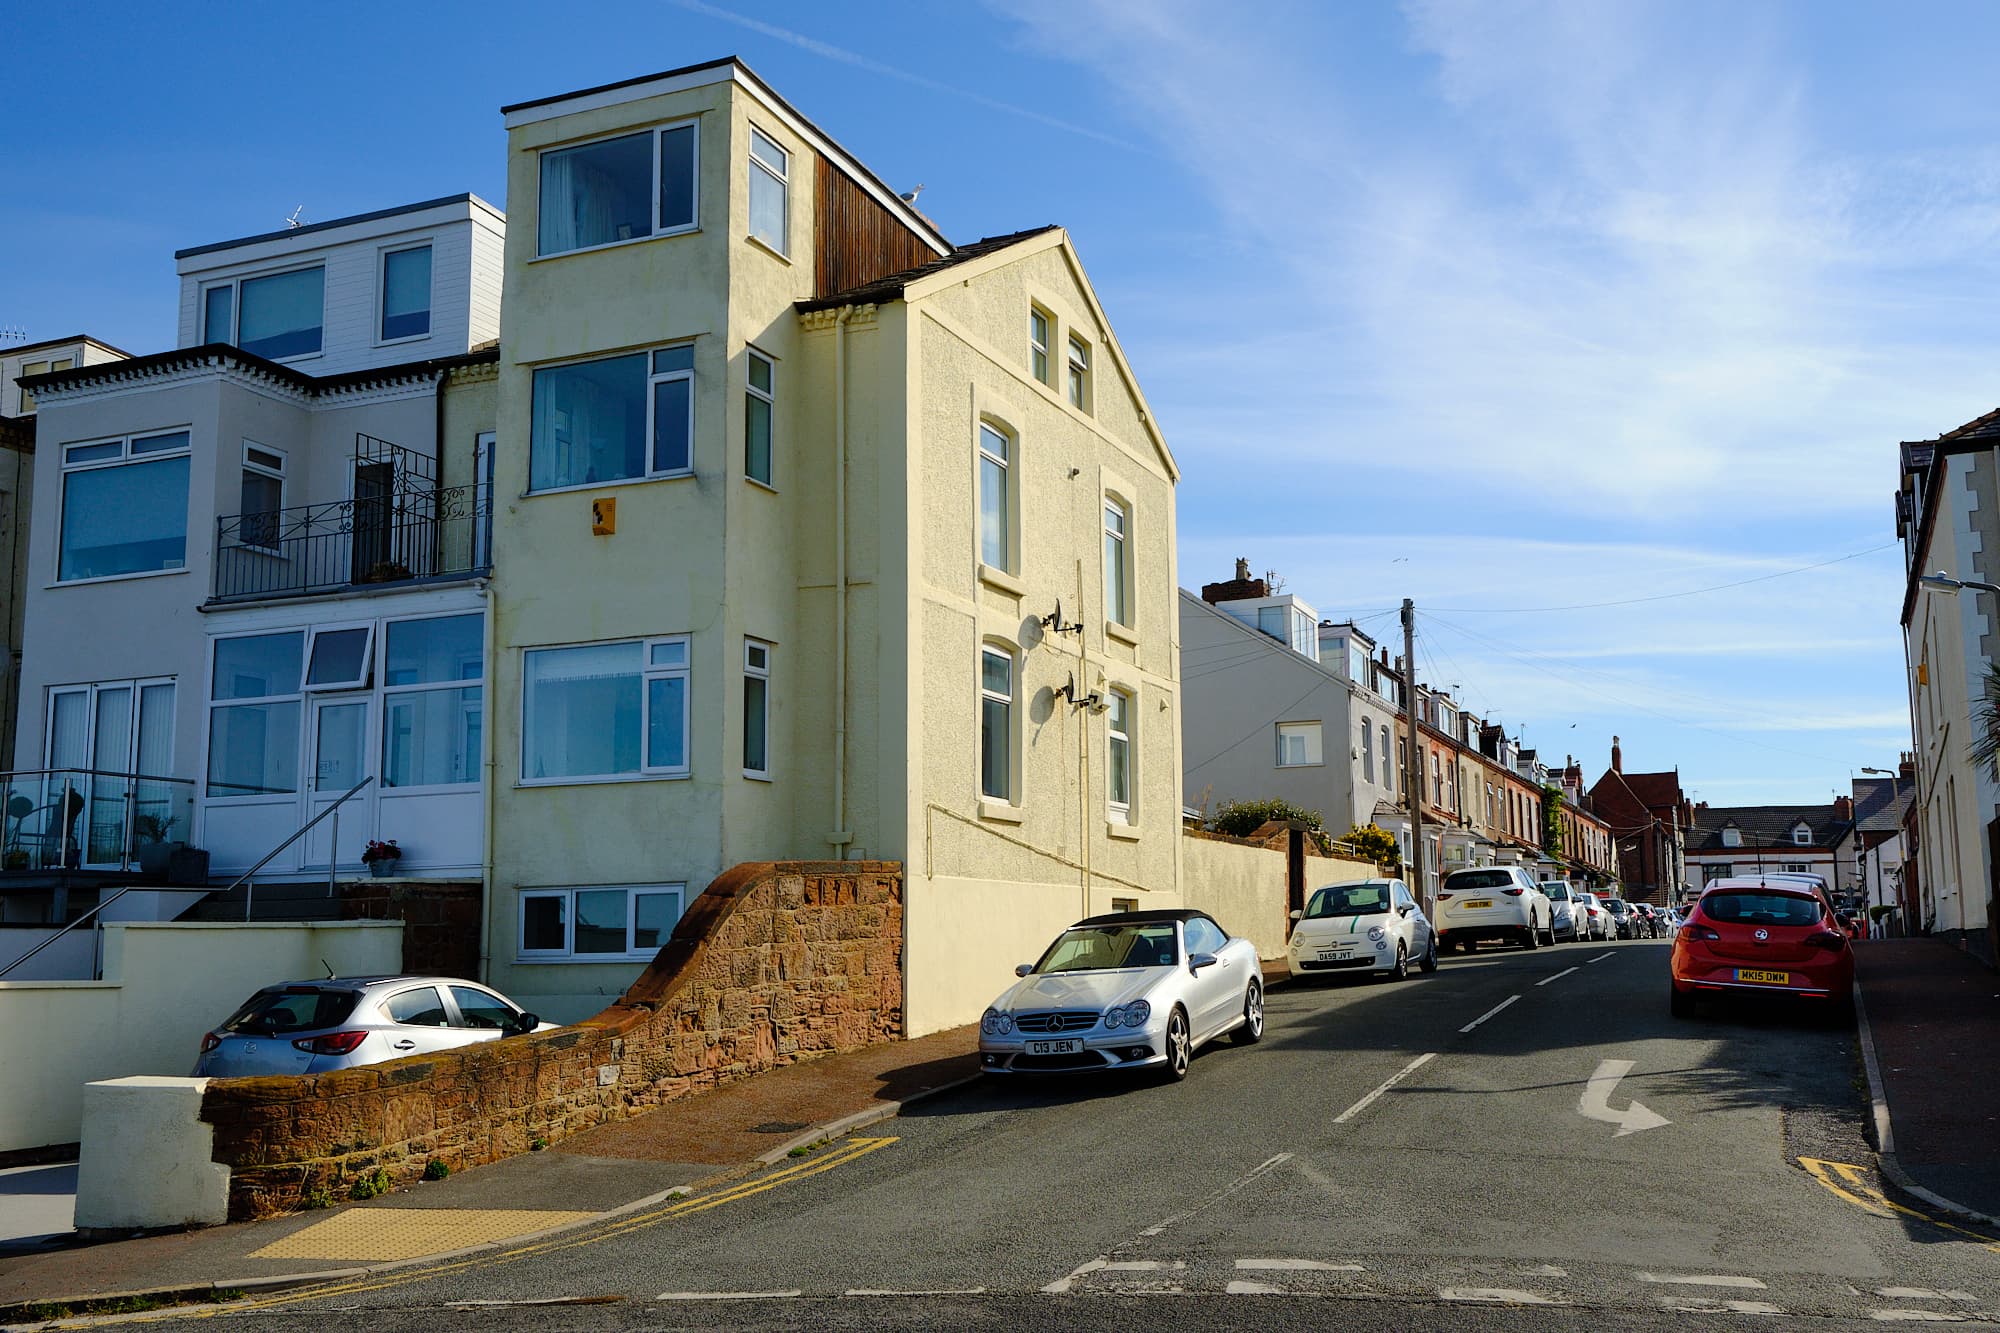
[(384, 868)]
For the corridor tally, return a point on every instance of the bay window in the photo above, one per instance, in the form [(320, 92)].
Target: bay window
[(621, 418), (620, 189), (605, 710), (124, 507)]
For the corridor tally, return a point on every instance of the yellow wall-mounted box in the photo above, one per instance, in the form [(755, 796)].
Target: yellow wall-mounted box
[(604, 516)]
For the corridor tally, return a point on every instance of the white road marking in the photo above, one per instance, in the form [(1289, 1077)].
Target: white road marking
[(1600, 958), (934, 1291), (1702, 1280), (1545, 1270), (1295, 1266), (1391, 1082), (1915, 1317), (1488, 1014), (1264, 1167), (724, 1295), (1595, 1103), (1495, 1296), (1144, 1265), (1061, 1285), (1558, 976), (1708, 1305), (1240, 1288), (1923, 1294)]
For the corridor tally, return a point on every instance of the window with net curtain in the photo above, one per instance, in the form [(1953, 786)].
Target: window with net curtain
[(582, 711), (589, 423), (617, 190)]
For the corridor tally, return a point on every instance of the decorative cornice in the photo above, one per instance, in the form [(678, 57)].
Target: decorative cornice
[(814, 320)]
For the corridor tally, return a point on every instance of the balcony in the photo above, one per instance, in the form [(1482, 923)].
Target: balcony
[(398, 528), (84, 819)]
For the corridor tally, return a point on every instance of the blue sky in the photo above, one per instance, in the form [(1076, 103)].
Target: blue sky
[(1499, 306)]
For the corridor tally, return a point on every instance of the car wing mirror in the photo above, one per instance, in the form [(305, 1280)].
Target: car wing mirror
[(1298, 914), (527, 1022), (1023, 969), (1198, 961), (1406, 909)]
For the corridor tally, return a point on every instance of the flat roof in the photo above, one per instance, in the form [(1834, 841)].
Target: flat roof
[(61, 342), (308, 228)]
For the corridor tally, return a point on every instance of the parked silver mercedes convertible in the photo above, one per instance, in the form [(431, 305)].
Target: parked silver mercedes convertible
[(1133, 990)]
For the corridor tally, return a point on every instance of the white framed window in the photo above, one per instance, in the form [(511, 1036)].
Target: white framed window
[(1732, 836), (760, 403), (770, 186), (49, 367), (619, 418), (625, 188), (124, 507), (433, 705), (255, 702), (756, 708), (1367, 750), (1389, 773), (1038, 343), (1119, 754), (598, 923), (996, 723), (340, 657), (1079, 373), (261, 497), (996, 497), (277, 316), (605, 711), (1117, 562), (1802, 836), (1298, 744), (404, 305), (1797, 867)]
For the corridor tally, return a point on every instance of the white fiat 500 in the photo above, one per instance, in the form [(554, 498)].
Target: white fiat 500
[(1371, 925), (1564, 912), (1493, 903)]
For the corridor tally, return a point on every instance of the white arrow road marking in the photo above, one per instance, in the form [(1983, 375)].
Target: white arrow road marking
[(1596, 1099)]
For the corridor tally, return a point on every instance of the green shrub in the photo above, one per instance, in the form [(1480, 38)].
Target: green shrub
[(1239, 819), (1377, 844), (367, 1187), (436, 1169)]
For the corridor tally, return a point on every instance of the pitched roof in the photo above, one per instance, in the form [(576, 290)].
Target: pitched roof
[(1879, 803), (19, 348), (891, 288), (1657, 790), (1764, 826)]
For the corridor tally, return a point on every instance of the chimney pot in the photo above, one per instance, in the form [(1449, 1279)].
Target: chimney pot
[(1617, 757), (1242, 569)]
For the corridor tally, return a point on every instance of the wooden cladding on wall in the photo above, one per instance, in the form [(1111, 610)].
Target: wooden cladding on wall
[(857, 240)]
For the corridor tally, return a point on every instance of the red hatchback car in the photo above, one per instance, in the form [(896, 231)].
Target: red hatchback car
[(1777, 938)]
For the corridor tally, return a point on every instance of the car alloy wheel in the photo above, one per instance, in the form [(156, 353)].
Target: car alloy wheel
[(1252, 1030), (1430, 960), (1179, 1047), (1531, 938), (1401, 970)]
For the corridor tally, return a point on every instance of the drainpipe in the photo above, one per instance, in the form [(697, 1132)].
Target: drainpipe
[(841, 837), (490, 764)]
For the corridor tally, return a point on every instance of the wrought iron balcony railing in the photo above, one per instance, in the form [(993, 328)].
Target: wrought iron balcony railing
[(396, 536)]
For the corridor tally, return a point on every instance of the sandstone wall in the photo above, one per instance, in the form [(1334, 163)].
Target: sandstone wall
[(773, 963)]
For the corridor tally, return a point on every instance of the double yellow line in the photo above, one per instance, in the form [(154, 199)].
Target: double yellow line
[(1849, 1182), (849, 1150)]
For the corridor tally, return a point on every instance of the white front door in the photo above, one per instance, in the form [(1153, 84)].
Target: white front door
[(341, 735)]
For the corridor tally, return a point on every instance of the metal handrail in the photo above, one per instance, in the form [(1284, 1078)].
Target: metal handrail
[(297, 833), (93, 773), (66, 930)]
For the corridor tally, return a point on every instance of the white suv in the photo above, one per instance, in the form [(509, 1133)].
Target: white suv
[(1493, 903)]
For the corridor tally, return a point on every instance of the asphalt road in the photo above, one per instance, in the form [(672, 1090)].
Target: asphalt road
[(1504, 1179)]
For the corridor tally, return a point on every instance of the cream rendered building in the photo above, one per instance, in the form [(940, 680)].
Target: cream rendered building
[(820, 539)]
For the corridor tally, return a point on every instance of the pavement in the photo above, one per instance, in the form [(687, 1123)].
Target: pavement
[(1931, 1013), (601, 1174)]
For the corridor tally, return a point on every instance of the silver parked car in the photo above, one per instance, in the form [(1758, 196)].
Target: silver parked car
[(1133, 990), (310, 1027)]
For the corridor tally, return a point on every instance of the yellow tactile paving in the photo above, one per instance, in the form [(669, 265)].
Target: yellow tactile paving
[(409, 1233)]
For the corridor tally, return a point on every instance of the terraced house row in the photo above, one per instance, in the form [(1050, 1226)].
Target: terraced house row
[(710, 507)]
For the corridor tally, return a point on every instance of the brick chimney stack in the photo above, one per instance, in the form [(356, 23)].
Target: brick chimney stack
[(1843, 808), (1617, 757), (1242, 588)]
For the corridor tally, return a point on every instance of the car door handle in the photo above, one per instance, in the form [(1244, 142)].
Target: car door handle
[(405, 1045)]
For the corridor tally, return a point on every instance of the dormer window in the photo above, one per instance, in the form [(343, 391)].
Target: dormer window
[(279, 315), (1732, 836), (406, 293), (1802, 836)]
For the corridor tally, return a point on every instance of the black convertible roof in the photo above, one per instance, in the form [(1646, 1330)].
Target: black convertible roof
[(1141, 918)]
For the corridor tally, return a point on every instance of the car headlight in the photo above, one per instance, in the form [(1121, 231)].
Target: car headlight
[(1133, 1015), (996, 1024), (1375, 933)]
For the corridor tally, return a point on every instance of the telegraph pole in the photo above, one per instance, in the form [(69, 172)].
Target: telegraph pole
[(1413, 779)]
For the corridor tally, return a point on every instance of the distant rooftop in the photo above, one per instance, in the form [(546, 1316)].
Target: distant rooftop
[(308, 228)]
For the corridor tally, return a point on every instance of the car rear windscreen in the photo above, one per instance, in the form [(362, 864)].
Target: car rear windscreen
[(273, 1013), (1750, 907), (1479, 879)]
